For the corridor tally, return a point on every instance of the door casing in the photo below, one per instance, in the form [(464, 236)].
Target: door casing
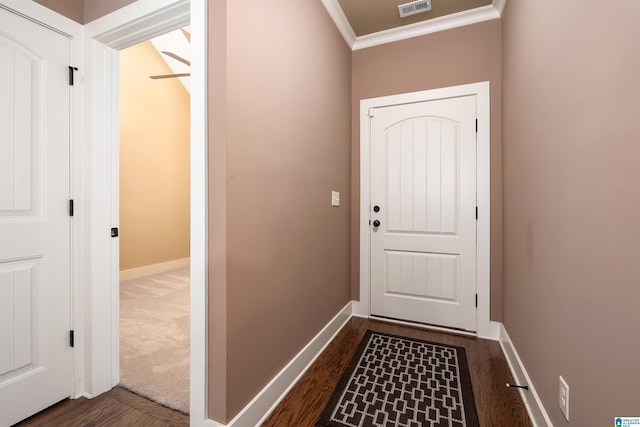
[(103, 39), (485, 328)]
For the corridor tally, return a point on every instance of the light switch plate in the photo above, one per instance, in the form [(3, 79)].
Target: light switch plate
[(335, 198)]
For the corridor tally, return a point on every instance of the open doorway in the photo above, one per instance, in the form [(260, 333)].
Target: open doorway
[(154, 215), (103, 40)]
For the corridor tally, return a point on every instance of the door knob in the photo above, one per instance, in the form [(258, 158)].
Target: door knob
[(376, 223), (376, 208)]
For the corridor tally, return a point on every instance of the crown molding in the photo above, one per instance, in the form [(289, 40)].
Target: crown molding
[(341, 21), (460, 19), (442, 23), (499, 5)]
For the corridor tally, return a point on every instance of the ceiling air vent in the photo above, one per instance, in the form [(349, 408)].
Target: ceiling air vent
[(414, 7)]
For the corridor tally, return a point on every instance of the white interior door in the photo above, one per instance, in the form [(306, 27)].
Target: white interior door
[(423, 194), (35, 298)]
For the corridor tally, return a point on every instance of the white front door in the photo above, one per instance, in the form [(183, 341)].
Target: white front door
[(35, 297), (423, 212)]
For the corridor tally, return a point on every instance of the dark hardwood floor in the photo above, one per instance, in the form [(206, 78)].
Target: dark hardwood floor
[(497, 405), (117, 407)]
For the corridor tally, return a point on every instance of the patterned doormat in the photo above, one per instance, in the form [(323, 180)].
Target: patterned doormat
[(395, 381)]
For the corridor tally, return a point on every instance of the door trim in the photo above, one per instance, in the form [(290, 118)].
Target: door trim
[(486, 328), (104, 38), (125, 27)]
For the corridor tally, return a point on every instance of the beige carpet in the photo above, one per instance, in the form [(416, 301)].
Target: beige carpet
[(154, 337)]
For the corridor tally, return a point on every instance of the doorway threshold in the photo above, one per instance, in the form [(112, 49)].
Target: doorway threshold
[(453, 331)]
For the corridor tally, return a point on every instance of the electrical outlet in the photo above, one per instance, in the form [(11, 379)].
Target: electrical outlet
[(564, 397)]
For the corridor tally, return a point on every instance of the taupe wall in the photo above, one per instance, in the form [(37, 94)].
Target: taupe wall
[(154, 161), (287, 145), (84, 11), (464, 55), (571, 235)]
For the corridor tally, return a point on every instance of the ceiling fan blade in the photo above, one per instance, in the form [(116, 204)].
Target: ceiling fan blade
[(168, 76), (176, 57), (187, 34)]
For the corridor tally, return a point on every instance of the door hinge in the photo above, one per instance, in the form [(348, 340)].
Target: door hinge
[(371, 113), (114, 232), (476, 300), (71, 207), (71, 339), (476, 212), (476, 125), (72, 71)]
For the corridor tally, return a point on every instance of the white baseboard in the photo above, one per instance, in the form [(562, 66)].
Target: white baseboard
[(81, 395), (532, 402), (493, 332), (361, 309), (150, 270), (257, 411)]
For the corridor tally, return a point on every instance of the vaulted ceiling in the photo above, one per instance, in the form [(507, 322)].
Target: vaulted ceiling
[(365, 23)]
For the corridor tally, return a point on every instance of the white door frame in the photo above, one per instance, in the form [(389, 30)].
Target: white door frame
[(104, 37), (486, 328)]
